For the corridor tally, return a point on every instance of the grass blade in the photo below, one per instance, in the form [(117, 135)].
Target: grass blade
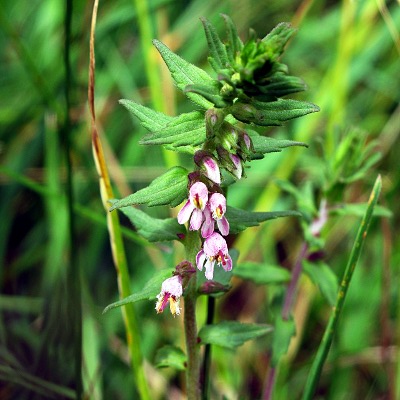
[(118, 251), (325, 345)]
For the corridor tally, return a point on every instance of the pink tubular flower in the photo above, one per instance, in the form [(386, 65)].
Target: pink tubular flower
[(194, 207), (212, 169), (238, 170), (171, 290), (217, 204), (214, 250)]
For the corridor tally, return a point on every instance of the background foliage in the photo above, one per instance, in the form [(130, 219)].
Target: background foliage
[(347, 52)]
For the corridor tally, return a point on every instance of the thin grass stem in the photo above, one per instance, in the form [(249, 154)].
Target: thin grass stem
[(330, 330)]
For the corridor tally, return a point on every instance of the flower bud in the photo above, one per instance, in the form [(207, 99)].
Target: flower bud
[(209, 165)]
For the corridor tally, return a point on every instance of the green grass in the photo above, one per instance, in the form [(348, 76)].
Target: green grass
[(346, 52)]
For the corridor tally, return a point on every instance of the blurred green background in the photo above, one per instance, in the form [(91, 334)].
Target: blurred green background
[(348, 54)]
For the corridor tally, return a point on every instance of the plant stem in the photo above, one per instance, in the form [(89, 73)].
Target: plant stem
[(192, 245), (287, 306), (330, 330), (116, 241), (207, 351)]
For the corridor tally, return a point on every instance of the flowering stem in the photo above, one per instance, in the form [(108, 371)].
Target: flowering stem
[(207, 351), (192, 245)]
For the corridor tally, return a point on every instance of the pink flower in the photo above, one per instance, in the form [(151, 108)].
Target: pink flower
[(214, 250), (171, 290), (212, 169), (238, 169), (215, 211), (194, 207)]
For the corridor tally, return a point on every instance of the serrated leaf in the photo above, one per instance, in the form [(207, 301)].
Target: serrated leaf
[(262, 274), (324, 278), (218, 56), (170, 356), (284, 330), (153, 229), (168, 189), (231, 334), (149, 119), (234, 44), (184, 73), (271, 113), (209, 92), (185, 130), (149, 291), (239, 220)]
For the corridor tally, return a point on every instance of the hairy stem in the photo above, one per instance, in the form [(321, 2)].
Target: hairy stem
[(192, 245)]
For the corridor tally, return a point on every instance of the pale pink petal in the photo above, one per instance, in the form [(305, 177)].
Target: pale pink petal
[(184, 213), (208, 226), (200, 259), (173, 286), (196, 220), (247, 140), (238, 165), (212, 169), (228, 263), (217, 205), (209, 273), (214, 244), (198, 195), (223, 226)]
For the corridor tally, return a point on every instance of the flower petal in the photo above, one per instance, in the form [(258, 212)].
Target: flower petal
[(209, 273), (223, 226), (238, 165), (198, 195), (217, 205), (227, 266), (200, 259), (212, 169), (184, 213), (173, 286), (214, 244), (208, 226), (196, 220)]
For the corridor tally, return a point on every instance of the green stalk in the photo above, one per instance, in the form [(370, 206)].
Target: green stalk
[(330, 330), (117, 246), (192, 245)]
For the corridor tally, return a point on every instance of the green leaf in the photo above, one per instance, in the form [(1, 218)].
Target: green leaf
[(184, 73), (324, 278), (168, 189), (218, 55), (239, 220), (153, 229), (170, 356), (149, 119), (149, 291), (359, 209), (231, 334), (185, 130), (284, 330), (262, 274), (278, 37), (265, 144), (209, 92), (271, 113), (234, 44)]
